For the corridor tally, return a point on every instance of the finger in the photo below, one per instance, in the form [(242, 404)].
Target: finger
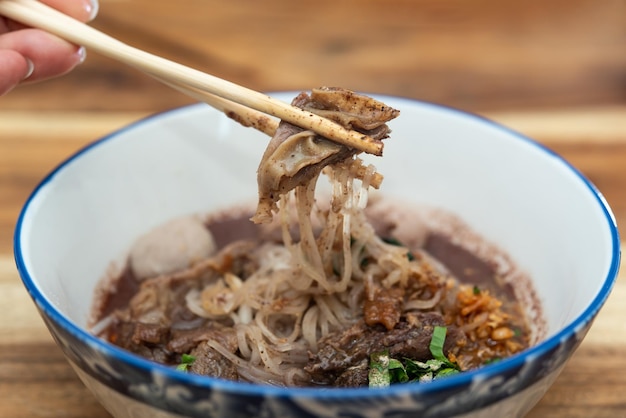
[(50, 55), (14, 68), (83, 10)]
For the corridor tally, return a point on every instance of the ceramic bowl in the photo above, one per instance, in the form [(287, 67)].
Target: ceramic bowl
[(519, 195)]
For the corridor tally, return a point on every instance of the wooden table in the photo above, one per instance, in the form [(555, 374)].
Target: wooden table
[(555, 71)]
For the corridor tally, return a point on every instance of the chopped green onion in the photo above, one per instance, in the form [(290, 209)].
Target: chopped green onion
[(476, 290), (186, 361)]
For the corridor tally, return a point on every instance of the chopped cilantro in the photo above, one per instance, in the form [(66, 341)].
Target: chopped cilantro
[(448, 371), (186, 361), (476, 290), (397, 243), (392, 241), (397, 372), (385, 371)]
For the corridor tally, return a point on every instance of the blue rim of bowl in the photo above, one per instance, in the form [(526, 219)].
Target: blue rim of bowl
[(460, 380)]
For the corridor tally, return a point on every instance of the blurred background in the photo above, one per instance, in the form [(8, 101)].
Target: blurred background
[(553, 70), (479, 55)]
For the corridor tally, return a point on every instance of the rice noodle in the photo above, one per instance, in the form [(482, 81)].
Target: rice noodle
[(320, 294), (260, 343), (419, 304), (309, 327)]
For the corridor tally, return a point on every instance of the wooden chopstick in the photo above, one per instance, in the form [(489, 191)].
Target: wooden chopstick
[(259, 121), (243, 115), (185, 79)]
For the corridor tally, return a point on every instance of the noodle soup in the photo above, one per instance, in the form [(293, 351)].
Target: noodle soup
[(242, 314)]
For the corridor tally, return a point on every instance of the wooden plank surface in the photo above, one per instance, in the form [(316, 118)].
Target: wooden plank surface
[(555, 71)]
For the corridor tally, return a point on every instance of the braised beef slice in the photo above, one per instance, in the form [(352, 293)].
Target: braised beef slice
[(158, 325), (184, 340), (354, 376), (165, 346), (149, 333), (209, 362), (138, 338), (341, 354)]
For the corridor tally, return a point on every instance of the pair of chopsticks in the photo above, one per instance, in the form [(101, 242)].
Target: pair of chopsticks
[(246, 106)]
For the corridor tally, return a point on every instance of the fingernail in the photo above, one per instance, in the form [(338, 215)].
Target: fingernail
[(92, 9), (31, 68), (82, 54)]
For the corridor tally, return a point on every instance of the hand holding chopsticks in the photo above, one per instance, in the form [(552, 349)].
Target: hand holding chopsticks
[(247, 106)]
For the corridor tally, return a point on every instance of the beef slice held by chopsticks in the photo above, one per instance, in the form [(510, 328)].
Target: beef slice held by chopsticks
[(295, 156)]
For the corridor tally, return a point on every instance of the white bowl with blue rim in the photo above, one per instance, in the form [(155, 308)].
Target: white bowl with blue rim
[(519, 195)]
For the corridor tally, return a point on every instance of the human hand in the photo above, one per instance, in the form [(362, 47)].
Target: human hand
[(29, 55)]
